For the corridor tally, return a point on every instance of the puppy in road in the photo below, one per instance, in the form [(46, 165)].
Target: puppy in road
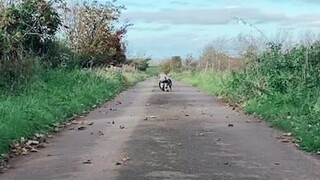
[(165, 83)]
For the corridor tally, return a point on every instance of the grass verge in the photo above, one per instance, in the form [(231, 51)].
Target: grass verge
[(55, 96), (296, 112)]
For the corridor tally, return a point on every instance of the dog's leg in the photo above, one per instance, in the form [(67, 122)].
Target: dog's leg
[(161, 86), (170, 84)]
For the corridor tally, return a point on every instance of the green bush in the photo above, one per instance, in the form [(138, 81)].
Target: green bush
[(27, 29), (141, 64), (59, 55), (30, 25), (283, 87)]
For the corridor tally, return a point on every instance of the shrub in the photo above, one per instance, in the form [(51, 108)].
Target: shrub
[(141, 64), (173, 64), (27, 28), (93, 35)]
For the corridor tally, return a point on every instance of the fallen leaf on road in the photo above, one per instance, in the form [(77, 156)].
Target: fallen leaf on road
[(146, 119), (75, 122), (200, 134), (90, 124), (122, 127), (287, 134), (280, 137), (125, 159), (100, 133), (42, 145), (34, 150), (24, 151), (230, 125), (32, 143), (81, 128), (285, 140), (87, 162)]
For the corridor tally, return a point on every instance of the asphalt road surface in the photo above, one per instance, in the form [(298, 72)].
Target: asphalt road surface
[(181, 135)]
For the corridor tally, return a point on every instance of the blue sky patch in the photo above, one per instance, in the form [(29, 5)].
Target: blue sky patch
[(165, 28)]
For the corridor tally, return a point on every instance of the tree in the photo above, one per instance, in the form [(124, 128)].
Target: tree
[(176, 63), (142, 64), (25, 26), (165, 67), (30, 25), (93, 35)]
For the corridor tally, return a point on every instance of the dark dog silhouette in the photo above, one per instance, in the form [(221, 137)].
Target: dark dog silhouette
[(165, 83)]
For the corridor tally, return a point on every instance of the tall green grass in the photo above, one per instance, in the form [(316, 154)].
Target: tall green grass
[(210, 81), (53, 97), (281, 87)]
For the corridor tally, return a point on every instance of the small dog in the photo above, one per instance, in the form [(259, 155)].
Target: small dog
[(165, 83)]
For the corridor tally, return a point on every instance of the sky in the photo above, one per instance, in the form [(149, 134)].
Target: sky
[(165, 28)]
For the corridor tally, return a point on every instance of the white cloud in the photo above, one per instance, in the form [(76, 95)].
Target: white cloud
[(220, 16)]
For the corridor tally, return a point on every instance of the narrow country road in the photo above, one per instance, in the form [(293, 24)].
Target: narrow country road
[(188, 135)]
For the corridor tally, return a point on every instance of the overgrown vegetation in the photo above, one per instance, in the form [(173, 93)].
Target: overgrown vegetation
[(281, 85), (93, 35), (141, 64), (88, 37), (52, 98), (173, 64), (58, 59)]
